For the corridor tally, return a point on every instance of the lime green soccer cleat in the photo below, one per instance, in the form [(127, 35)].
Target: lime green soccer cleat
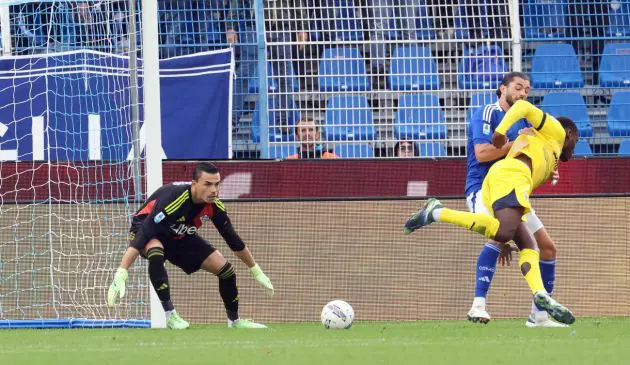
[(245, 323), (175, 322)]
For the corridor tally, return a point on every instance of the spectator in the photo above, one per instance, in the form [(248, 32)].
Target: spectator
[(307, 133), (406, 149), (286, 22)]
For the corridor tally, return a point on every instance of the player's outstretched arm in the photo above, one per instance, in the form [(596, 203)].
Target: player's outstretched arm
[(246, 256), (117, 288), (521, 109)]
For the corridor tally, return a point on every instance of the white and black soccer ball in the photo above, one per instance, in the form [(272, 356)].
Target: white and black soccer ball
[(337, 315)]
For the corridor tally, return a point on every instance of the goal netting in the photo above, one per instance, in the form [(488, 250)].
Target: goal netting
[(69, 182)]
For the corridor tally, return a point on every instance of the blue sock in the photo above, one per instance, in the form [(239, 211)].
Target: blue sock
[(486, 266), (548, 274)]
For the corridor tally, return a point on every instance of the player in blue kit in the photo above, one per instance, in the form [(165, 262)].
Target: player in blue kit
[(481, 155)]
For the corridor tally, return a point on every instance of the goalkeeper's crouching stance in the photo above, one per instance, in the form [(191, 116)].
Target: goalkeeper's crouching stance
[(165, 228)]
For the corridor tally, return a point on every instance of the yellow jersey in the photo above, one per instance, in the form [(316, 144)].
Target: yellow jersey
[(543, 148)]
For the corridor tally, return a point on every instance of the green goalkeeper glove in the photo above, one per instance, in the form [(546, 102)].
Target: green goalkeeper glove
[(118, 286), (262, 279)]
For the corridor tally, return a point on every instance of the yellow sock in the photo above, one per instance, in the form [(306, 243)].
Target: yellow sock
[(531, 257), (476, 222)]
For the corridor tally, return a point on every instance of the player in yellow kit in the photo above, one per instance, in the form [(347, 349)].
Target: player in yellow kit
[(506, 189)]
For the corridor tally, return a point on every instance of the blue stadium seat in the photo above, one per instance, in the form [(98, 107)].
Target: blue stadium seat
[(569, 104), (481, 19), (614, 69), (619, 114), (556, 66), (424, 23), (481, 68), (335, 20), (281, 151), (477, 100), (281, 119), (463, 13), (582, 149), (624, 148), (419, 116), (347, 24), (432, 149), (413, 68), (349, 118), (619, 19), (354, 150), (273, 79), (342, 69), (544, 19)]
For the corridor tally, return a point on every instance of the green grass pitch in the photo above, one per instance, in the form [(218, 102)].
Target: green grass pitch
[(588, 341)]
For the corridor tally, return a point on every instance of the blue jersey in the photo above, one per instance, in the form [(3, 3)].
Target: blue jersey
[(480, 130)]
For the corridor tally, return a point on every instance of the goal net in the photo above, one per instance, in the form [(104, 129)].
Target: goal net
[(68, 181)]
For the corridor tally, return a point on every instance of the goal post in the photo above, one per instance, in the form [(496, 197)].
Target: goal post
[(70, 177)]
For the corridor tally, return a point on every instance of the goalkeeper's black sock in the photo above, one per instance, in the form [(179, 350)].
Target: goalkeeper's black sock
[(159, 277), (229, 291)]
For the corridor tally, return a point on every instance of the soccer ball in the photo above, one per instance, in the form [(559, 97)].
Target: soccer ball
[(338, 315)]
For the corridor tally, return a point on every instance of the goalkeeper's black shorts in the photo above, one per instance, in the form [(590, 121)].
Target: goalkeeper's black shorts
[(187, 253)]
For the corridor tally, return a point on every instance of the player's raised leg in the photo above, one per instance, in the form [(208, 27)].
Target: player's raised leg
[(217, 264), (154, 251), (434, 211)]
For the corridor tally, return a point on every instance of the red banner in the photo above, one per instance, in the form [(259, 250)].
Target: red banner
[(388, 178), (27, 181)]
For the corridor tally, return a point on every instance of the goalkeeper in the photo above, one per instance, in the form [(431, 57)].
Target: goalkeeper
[(165, 228)]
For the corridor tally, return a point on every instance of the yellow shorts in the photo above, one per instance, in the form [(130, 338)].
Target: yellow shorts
[(507, 185)]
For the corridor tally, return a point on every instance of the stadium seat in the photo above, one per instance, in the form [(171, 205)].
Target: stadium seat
[(281, 151), (624, 148), (424, 22), (349, 118), (569, 104), (281, 120), (273, 83), (476, 19), (481, 68), (614, 69), (419, 116), (619, 19), (342, 69), (335, 20), (347, 23), (354, 150), (544, 19), (477, 100), (556, 66), (413, 68), (432, 149), (582, 149), (619, 114)]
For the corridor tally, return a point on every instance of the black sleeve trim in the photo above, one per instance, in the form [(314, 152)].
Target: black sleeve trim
[(543, 122)]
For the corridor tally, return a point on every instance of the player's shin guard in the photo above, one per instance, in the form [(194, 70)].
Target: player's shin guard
[(528, 262), (486, 266), (229, 291), (159, 277), (476, 222)]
